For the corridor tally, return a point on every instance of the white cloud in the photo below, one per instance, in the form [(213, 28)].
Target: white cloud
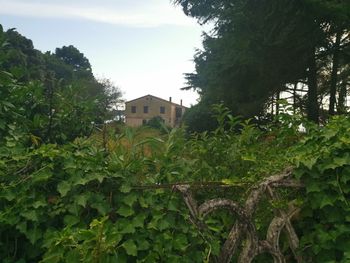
[(155, 14)]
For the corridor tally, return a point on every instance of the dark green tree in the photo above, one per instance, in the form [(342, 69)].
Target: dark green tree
[(70, 55), (257, 49)]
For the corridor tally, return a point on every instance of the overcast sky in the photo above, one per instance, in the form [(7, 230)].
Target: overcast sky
[(143, 46)]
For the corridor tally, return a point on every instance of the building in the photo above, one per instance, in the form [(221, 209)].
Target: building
[(139, 111)]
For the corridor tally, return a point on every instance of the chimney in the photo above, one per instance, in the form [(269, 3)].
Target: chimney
[(170, 99), (181, 102)]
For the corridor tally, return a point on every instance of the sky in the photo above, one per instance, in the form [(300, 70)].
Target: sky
[(143, 46)]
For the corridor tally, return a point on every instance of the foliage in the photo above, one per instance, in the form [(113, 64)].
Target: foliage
[(73, 201), (157, 122), (55, 96), (109, 100), (199, 118), (323, 165), (81, 202), (73, 57), (258, 50)]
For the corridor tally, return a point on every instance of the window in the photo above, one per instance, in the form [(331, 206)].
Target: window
[(162, 110), (144, 122), (145, 109), (133, 109), (178, 112)]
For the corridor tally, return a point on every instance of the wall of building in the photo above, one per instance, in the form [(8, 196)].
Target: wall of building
[(154, 105)]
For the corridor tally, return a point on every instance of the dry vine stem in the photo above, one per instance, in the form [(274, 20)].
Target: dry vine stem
[(243, 231)]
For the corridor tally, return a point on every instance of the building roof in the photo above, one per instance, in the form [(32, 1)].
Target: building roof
[(149, 95)]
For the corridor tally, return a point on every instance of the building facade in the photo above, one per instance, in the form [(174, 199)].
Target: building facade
[(139, 111)]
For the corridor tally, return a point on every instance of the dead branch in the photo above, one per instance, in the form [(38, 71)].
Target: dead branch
[(243, 231), (193, 185), (189, 200)]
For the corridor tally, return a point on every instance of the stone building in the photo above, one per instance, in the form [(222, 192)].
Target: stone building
[(139, 111)]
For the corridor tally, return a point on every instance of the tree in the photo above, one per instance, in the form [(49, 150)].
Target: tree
[(257, 49), (50, 92), (110, 98), (21, 59), (199, 118), (70, 55)]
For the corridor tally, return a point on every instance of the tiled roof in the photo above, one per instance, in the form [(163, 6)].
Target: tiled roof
[(149, 95)]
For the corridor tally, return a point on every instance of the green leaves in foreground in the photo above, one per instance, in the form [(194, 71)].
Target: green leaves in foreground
[(77, 203), (324, 168)]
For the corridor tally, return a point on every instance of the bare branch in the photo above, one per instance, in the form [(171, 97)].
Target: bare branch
[(189, 200), (244, 226), (255, 196)]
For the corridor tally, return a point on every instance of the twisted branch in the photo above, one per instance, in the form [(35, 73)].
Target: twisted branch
[(189, 200), (244, 226)]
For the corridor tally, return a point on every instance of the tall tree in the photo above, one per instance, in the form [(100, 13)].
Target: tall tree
[(258, 48), (71, 56), (334, 74)]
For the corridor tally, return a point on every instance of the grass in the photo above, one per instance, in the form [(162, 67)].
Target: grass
[(115, 135)]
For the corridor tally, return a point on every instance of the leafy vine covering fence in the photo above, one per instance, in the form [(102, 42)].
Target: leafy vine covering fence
[(122, 200)]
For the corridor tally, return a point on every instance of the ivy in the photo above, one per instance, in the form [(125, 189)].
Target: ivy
[(324, 166)]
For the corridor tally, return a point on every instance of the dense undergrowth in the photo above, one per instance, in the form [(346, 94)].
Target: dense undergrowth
[(69, 197), (88, 201)]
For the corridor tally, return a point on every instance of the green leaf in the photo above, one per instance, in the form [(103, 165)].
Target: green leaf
[(86, 235), (34, 235), (143, 203), (101, 206), (121, 257), (2, 124), (130, 247), (250, 158), (125, 188), (63, 188), (329, 133), (8, 104), (70, 220), (326, 200), (143, 244), (53, 257), (42, 176), (163, 224), (313, 187), (39, 203), (125, 227), (30, 215), (81, 199), (81, 181), (73, 256), (130, 199), (8, 194), (114, 238), (173, 205), (22, 227), (138, 220), (125, 211), (309, 163), (343, 160), (180, 242)]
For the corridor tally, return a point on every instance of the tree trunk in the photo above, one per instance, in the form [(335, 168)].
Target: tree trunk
[(272, 105), (342, 98), (277, 103), (295, 97), (334, 75), (312, 104)]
